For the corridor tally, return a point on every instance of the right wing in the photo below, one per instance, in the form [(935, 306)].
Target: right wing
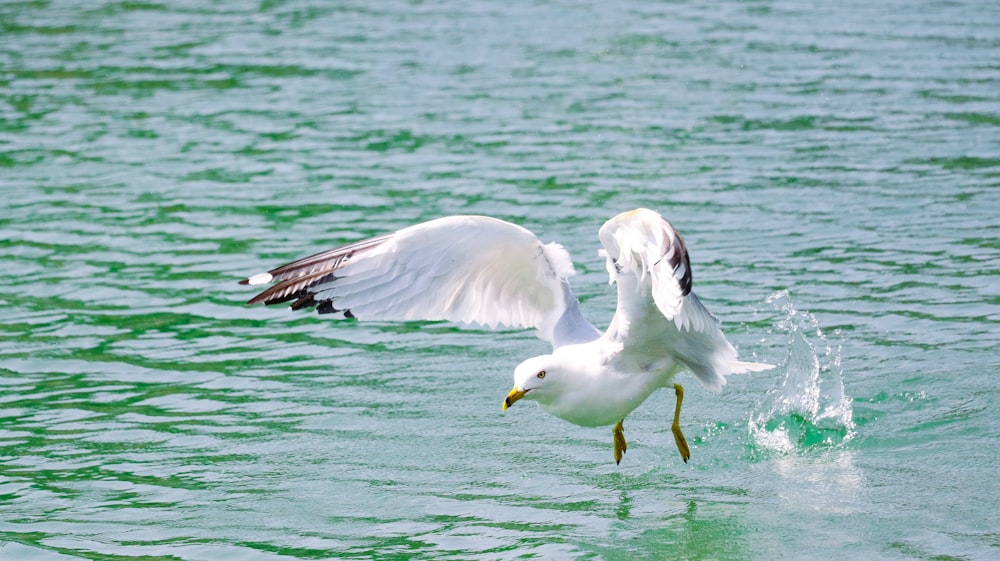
[(469, 269)]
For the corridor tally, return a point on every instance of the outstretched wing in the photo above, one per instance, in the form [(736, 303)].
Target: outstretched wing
[(658, 315), (469, 269)]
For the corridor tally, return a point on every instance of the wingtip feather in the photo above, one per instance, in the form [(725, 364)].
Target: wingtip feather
[(260, 278)]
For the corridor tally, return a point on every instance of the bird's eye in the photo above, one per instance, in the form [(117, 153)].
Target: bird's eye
[(540, 375)]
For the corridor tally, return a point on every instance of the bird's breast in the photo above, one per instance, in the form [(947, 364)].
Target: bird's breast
[(602, 401)]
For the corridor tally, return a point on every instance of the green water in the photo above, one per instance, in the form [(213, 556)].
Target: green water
[(833, 166)]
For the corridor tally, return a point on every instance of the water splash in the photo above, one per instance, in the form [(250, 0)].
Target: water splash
[(808, 407)]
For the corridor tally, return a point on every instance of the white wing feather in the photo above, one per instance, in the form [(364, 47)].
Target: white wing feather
[(469, 269), (658, 315)]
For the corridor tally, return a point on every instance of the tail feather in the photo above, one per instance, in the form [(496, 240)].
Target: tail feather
[(714, 377), (739, 367)]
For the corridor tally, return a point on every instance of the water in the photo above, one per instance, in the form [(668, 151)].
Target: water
[(833, 168)]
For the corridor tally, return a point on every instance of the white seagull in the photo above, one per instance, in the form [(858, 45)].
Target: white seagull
[(481, 270)]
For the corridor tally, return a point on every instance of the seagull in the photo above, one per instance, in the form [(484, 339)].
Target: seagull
[(489, 272)]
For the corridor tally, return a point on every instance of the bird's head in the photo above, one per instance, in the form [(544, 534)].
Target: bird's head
[(535, 379)]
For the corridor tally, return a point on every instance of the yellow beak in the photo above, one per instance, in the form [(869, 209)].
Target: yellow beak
[(514, 395)]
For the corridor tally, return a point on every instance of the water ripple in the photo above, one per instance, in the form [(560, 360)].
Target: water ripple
[(841, 157)]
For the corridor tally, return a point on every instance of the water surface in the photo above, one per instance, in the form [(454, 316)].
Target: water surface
[(833, 168)]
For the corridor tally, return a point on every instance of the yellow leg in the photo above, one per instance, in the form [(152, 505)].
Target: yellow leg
[(620, 446), (682, 444)]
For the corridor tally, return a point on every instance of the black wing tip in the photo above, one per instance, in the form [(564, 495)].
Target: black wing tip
[(258, 300), (299, 289), (305, 301), (686, 282), (296, 279), (326, 307), (683, 259)]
